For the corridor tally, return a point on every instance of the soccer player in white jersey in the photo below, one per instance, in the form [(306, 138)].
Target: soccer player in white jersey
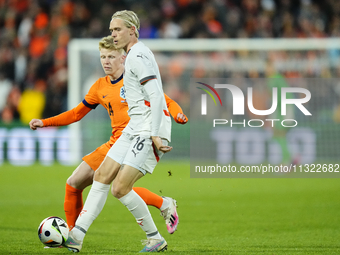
[(143, 142)]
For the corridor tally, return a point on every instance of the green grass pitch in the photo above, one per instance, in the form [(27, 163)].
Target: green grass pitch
[(217, 216)]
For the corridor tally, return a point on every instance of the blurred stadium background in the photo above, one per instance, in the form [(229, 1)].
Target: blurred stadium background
[(49, 59)]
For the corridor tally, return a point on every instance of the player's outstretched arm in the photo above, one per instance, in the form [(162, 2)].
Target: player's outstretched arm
[(175, 110), (63, 119)]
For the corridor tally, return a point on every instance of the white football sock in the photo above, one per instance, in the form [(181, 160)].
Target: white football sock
[(165, 204), (139, 209), (94, 204)]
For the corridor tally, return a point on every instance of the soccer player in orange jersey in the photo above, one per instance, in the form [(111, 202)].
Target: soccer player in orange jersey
[(107, 91)]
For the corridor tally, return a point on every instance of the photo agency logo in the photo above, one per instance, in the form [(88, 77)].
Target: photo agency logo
[(290, 96), (204, 97)]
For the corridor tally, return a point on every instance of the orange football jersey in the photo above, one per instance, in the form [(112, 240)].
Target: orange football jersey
[(110, 94)]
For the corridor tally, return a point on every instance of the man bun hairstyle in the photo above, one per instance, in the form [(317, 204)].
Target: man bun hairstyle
[(130, 19)]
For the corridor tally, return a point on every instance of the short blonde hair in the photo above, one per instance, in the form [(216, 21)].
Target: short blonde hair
[(130, 19), (107, 43)]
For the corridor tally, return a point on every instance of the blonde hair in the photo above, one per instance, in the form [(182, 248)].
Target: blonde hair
[(130, 19), (107, 43)]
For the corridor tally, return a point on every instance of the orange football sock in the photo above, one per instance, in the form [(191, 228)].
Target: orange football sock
[(73, 204), (149, 197)]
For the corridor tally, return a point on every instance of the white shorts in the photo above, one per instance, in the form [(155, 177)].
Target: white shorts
[(136, 151)]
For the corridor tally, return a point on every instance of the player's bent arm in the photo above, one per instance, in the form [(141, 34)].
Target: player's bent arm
[(68, 117), (156, 103), (175, 110)]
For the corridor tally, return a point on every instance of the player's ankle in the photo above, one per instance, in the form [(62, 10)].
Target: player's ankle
[(78, 233), (165, 204)]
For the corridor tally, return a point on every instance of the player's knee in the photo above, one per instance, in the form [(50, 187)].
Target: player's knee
[(80, 181), (106, 173), (115, 191), (118, 190), (102, 177), (76, 183), (70, 181)]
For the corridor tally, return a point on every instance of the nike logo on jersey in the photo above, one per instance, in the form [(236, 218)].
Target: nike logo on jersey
[(105, 96)]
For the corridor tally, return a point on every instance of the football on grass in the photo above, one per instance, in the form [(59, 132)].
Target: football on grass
[(53, 231)]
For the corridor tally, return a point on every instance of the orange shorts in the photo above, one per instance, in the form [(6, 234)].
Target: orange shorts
[(95, 158)]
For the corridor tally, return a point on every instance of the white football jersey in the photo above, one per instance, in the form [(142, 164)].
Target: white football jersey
[(141, 66)]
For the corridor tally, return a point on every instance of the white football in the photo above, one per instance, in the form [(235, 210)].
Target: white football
[(53, 231)]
